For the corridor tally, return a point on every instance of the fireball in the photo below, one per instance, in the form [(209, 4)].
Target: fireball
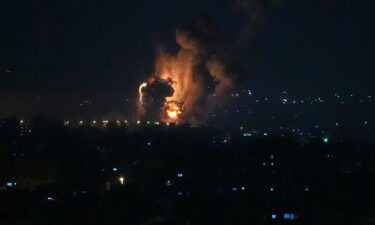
[(174, 109), (157, 99)]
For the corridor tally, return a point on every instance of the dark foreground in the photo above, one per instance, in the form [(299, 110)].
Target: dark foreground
[(115, 174)]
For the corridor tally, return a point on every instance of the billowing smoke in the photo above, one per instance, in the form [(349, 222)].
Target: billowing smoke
[(153, 96), (199, 76), (199, 70)]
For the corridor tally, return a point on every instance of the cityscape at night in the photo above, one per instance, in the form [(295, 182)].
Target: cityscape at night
[(187, 112)]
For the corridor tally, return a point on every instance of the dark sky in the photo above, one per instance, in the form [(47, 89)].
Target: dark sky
[(55, 54)]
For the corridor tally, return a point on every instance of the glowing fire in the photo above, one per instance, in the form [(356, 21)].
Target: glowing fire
[(140, 91), (174, 109), (188, 72)]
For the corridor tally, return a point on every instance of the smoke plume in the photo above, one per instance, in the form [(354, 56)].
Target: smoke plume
[(197, 79), (153, 96), (197, 65)]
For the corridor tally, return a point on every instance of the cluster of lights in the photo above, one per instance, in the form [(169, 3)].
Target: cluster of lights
[(304, 100), (94, 122)]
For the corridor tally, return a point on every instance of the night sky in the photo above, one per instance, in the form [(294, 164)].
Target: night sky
[(55, 55)]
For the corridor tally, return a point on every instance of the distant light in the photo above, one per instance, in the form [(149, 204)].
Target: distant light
[(121, 179), (272, 163), (80, 122), (149, 143), (180, 175), (114, 169), (271, 189), (265, 134), (21, 121), (247, 134), (234, 189), (243, 188), (273, 216), (365, 122), (337, 124), (290, 216), (138, 121), (179, 193), (168, 183), (49, 198), (94, 121), (325, 140), (9, 184), (306, 189)]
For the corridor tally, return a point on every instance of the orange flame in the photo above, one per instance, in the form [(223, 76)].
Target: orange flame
[(140, 91), (173, 110)]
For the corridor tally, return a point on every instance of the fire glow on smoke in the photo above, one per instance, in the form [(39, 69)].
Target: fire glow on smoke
[(178, 92), (156, 98)]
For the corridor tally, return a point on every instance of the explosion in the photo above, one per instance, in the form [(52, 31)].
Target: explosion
[(174, 109), (190, 83), (153, 96)]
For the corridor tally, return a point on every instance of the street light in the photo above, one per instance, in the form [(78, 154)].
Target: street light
[(121, 179)]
